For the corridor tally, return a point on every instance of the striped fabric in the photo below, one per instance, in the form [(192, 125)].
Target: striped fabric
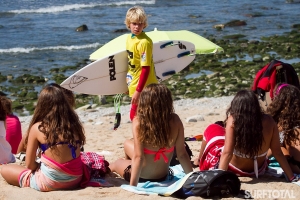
[(53, 176)]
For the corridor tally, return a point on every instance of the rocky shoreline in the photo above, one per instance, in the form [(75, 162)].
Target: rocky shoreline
[(230, 71)]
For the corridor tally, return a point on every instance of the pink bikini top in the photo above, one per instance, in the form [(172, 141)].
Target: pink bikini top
[(160, 151)]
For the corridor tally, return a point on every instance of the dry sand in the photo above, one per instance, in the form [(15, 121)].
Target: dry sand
[(101, 138)]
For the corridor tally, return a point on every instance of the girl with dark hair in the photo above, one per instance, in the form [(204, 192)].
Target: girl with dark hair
[(285, 110), (242, 146), (13, 125), (156, 131), (56, 129)]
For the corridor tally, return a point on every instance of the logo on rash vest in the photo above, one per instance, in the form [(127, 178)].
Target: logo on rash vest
[(143, 57), (112, 69)]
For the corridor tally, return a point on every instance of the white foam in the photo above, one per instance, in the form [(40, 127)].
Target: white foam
[(69, 48), (63, 8)]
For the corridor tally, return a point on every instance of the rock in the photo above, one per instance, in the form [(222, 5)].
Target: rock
[(102, 99), (109, 114), (82, 28), (9, 77), (236, 23), (83, 108), (195, 118), (190, 120), (219, 26), (99, 123)]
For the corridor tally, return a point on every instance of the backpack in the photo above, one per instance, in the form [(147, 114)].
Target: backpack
[(271, 74), (175, 161), (209, 184)]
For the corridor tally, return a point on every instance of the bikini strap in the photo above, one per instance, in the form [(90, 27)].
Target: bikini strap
[(161, 151)]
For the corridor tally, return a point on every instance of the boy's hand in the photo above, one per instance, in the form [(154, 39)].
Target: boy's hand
[(135, 98)]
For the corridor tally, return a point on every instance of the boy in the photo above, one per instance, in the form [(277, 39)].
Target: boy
[(139, 47)]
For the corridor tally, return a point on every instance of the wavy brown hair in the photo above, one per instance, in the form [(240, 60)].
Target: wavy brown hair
[(247, 116), (6, 103), (59, 121), (68, 94), (285, 110), (154, 112)]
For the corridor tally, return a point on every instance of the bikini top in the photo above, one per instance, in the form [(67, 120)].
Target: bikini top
[(159, 152), (239, 154), (44, 147)]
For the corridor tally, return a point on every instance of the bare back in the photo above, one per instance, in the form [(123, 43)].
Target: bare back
[(269, 130), (156, 169), (61, 154)]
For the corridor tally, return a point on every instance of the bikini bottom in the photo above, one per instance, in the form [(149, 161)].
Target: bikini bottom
[(127, 175)]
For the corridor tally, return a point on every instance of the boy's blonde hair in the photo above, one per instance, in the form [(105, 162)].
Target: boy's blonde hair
[(136, 14)]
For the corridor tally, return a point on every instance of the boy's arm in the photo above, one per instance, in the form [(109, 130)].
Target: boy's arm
[(143, 78), (142, 81)]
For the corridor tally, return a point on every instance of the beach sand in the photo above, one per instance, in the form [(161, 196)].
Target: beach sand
[(101, 138)]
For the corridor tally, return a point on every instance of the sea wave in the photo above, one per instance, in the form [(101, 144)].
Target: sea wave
[(63, 8), (69, 48)]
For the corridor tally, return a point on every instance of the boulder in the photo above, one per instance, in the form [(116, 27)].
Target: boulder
[(82, 28)]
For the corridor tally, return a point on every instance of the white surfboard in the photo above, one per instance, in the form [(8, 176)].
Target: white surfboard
[(107, 76)]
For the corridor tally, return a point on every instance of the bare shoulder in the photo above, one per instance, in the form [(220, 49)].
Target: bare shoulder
[(35, 127), (268, 122), (175, 118), (35, 131), (268, 119)]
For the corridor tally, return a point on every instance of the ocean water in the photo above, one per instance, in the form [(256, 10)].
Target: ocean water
[(37, 35)]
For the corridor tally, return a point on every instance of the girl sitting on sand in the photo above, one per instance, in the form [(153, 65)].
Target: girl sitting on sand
[(13, 125), (242, 146), (156, 131), (56, 129), (6, 155), (285, 110)]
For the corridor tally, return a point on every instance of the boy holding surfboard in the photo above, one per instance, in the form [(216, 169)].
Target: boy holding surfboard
[(139, 46)]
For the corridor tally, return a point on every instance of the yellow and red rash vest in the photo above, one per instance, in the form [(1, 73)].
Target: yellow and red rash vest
[(139, 49)]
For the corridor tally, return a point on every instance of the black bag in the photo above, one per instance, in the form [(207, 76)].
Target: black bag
[(175, 161), (210, 183)]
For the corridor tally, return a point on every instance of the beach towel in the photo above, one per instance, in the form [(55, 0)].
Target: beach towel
[(164, 188), (274, 169), (52, 175)]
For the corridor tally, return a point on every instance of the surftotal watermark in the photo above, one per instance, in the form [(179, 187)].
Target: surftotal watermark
[(270, 194)]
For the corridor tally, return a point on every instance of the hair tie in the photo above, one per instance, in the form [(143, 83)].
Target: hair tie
[(280, 87)]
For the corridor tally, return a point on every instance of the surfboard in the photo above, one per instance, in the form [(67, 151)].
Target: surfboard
[(107, 76)]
